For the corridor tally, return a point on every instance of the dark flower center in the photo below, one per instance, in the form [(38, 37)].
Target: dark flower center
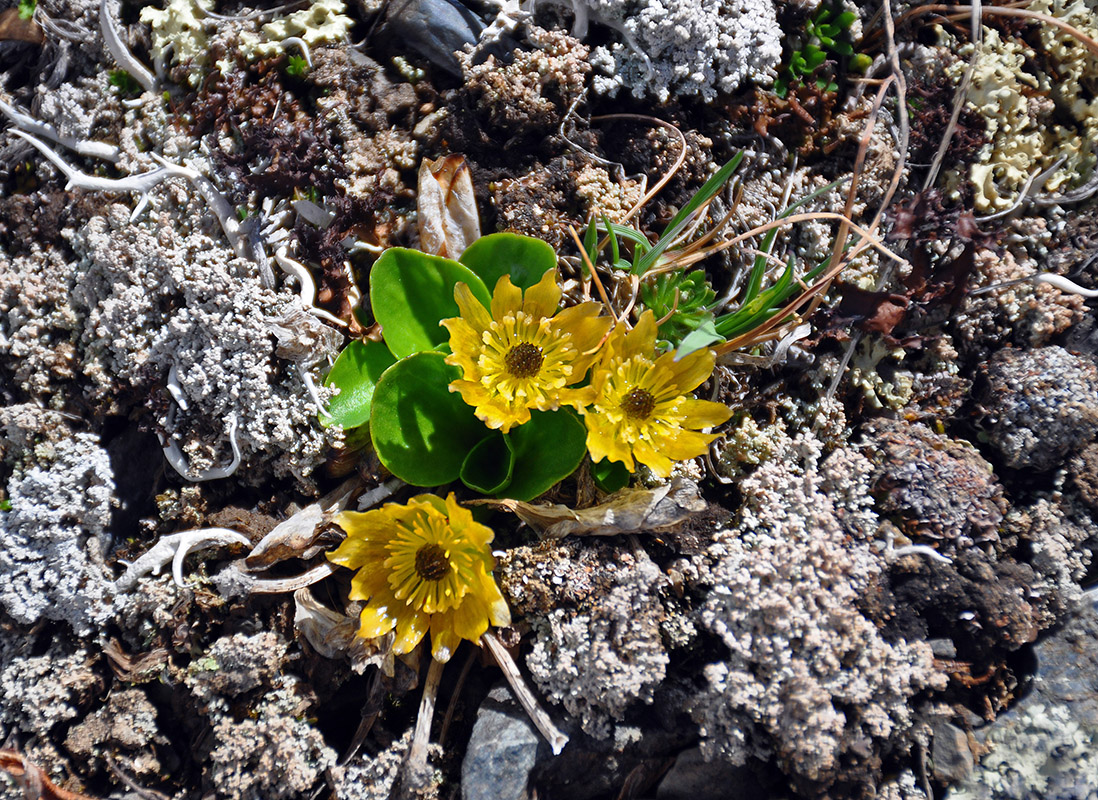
[(523, 360), (638, 404), (432, 563)]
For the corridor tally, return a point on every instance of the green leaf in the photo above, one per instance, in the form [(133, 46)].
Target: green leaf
[(355, 373), (843, 48), (422, 431), (488, 467), (524, 258), (860, 62), (706, 193), (705, 335), (591, 243), (610, 475), (638, 239), (296, 66), (547, 449), (846, 19), (26, 9), (410, 292), (830, 31), (815, 59)]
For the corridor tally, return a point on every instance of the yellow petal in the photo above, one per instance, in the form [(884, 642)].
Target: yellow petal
[(577, 398), (641, 341), (689, 373), (465, 344), (471, 309), (506, 299), (369, 582), (374, 622), (682, 444), (470, 619), (603, 442), (587, 329), (472, 392), (499, 416), (498, 612), (411, 627), (444, 642), (543, 297), (654, 460), (703, 413)]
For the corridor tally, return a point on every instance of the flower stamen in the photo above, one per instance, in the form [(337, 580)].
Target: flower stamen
[(523, 360), (638, 404), (432, 563)]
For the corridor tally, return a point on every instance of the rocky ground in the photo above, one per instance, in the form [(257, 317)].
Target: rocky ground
[(877, 587)]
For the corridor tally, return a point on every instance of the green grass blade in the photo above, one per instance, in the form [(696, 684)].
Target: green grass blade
[(706, 193)]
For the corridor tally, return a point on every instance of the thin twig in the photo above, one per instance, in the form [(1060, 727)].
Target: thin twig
[(416, 771), (557, 740)]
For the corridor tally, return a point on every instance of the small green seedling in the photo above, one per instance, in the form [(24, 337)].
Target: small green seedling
[(297, 66), (26, 8), (827, 35)]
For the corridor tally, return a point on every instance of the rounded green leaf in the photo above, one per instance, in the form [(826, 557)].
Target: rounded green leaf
[(547, 450), (421, 430), (488, 467), (355, 373), (610, 475), (524, 258), (411, 291)]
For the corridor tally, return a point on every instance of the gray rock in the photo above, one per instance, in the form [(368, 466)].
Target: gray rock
[(1041, 405), (502, 750), (691, 777), (1047, 745), (951, 756)]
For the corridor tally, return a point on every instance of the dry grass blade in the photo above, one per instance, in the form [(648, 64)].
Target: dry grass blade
[(33, 780), (960, 12)]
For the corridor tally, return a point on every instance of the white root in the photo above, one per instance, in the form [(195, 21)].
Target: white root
[(175, 457), (121, 53), (101, 150), (175, 548)]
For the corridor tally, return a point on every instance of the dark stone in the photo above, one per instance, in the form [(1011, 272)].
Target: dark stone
[(693, 778), (1040, 405), (502, 750), (936, 487), (950, 754), (1046, 746)]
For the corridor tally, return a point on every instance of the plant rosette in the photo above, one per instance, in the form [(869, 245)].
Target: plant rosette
[(409, 390)]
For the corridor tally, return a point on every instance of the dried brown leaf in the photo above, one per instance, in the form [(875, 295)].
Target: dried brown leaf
[(15, 28), (448, 220), (627, 511), (335, 635)]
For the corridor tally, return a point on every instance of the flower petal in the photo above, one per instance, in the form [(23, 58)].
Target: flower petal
[(411, 627), (656, 461), (506, 299), (641, 341), (543, 297), (375, 621), (703, 413), (471, 309), (603, 441), (689, 373), (444, 641)]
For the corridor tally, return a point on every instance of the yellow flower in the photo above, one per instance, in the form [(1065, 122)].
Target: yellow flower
[(641, 409), (522, 355), (423, 566)]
